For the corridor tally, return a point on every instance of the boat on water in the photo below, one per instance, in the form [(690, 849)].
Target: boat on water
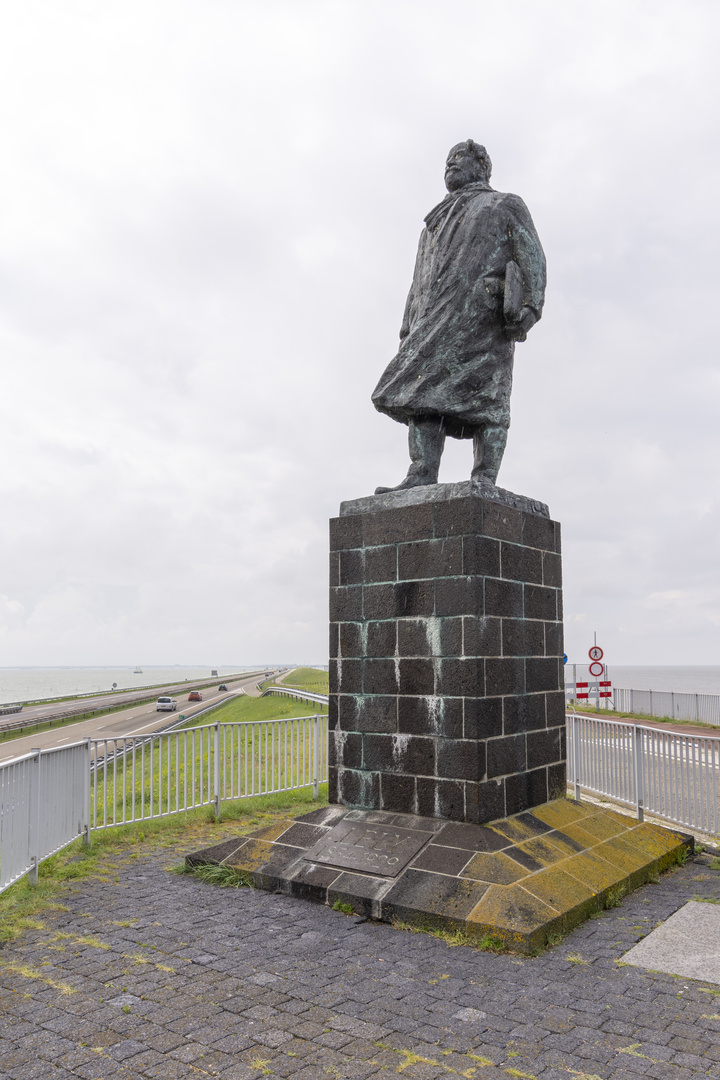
[(138, 671)]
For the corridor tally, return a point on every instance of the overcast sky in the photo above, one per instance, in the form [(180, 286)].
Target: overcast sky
[(209, 212)]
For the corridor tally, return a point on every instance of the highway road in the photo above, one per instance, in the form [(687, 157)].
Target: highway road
[(136, 720)]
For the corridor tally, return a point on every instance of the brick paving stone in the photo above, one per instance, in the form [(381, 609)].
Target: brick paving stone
[(256, 977)]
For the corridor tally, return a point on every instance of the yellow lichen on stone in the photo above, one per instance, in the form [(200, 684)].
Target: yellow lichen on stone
[(603, 825), (561, 812), (540, 850), (591, 870), (272, 832), (253, 855), (557, 889), (497, 869)]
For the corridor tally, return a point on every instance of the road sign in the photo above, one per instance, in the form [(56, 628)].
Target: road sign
[(565, 658), (596, 669), (595, 653)]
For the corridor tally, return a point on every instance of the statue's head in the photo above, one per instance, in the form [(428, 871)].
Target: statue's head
[(466, 163)]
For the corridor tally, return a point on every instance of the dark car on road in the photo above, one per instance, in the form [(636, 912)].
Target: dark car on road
[(222, 686), (194, 695)]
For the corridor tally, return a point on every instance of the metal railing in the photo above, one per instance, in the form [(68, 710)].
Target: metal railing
[(49, 798), (44, 799), (702, 707), (669, 775), (292, 692)]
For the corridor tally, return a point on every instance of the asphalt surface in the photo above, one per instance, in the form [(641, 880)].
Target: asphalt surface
[(150, 975), (139, 719)]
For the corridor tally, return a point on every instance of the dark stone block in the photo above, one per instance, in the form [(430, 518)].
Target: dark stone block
[(543, 674), (523, 713), (379, 677), (413, 638), (359, 890), (441, 798), (271, 873), (504, 676), (557, 780), (524, 790), (521, 563), (352, 567), (406, 754), (506, 755), (456, 517), (461, 759), (451, 636), (356, 788), (417, 677), (334, 642), (464, 677), (459, 596), (472, 837), (332, 677), (503, 598), (555, 709), (502, 522), (324, 815), (418, 896), (332, 784), (414, 598), (524, 859), (430, 559), (346, 603), (345, 749), (442, 860), (483, 717), (540, 603), (350, 639), (430, 716), (523, 637), (552, 570), (217, 854), (554, 639), (332, 712), (481, 555), (302, 834), (349, 676), (397, 793), (379, 601), (539, 532), (377, 713), (481, 635), (381, 563), (334, 574), (381, 638), (396, 526), (346, 532), (311, 882), (486, 802)]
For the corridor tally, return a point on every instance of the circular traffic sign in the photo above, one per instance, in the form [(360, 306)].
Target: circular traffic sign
[(595, 653), (596, 669), (564, 658)]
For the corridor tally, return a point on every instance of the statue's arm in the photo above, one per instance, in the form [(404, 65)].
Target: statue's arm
[(530, 257)]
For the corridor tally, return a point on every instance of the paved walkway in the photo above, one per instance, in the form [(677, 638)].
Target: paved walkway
[(150, 974)]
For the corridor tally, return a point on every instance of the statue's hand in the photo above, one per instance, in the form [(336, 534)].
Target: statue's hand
[(519, 330)]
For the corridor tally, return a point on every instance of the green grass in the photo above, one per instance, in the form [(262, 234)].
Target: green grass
[(306, 678), (610, 714), (22, 906), (244, 708)]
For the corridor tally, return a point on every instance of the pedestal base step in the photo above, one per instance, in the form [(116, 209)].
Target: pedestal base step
[(519, 880)]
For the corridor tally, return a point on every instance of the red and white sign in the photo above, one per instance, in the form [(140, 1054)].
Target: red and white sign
[(596, 670), (595, 653)]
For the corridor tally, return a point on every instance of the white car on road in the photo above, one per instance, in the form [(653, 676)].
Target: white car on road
[(166, 704)]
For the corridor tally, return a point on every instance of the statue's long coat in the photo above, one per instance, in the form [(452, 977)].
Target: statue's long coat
[(455, 359)]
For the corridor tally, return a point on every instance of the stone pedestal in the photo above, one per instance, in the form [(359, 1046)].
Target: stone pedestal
[(446, 682)]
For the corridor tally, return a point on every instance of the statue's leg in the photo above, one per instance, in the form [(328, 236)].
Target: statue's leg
[(426, 439), (488, 449)]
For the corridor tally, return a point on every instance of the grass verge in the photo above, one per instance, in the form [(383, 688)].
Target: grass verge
[(611, 714)]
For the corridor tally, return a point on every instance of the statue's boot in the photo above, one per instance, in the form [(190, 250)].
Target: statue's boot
[(426, 439), (488, 449)]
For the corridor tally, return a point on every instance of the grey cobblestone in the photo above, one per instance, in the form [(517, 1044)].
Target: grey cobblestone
[(238, 985)]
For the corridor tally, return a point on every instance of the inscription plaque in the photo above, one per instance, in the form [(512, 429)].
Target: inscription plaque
[(372, 848)]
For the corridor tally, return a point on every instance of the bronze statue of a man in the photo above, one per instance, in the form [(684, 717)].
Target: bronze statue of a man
[(478, 287)]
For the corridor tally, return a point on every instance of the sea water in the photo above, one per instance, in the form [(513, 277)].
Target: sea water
[(36, 683), (703, 679)]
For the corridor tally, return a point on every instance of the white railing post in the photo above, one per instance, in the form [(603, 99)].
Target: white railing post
[(638, 771), (316, 756), (575, 756), (85, 825), (216, 771), (34, 822)]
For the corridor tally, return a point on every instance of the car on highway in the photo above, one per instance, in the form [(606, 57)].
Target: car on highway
[(222, 686), (166, 704), (194, 695)]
